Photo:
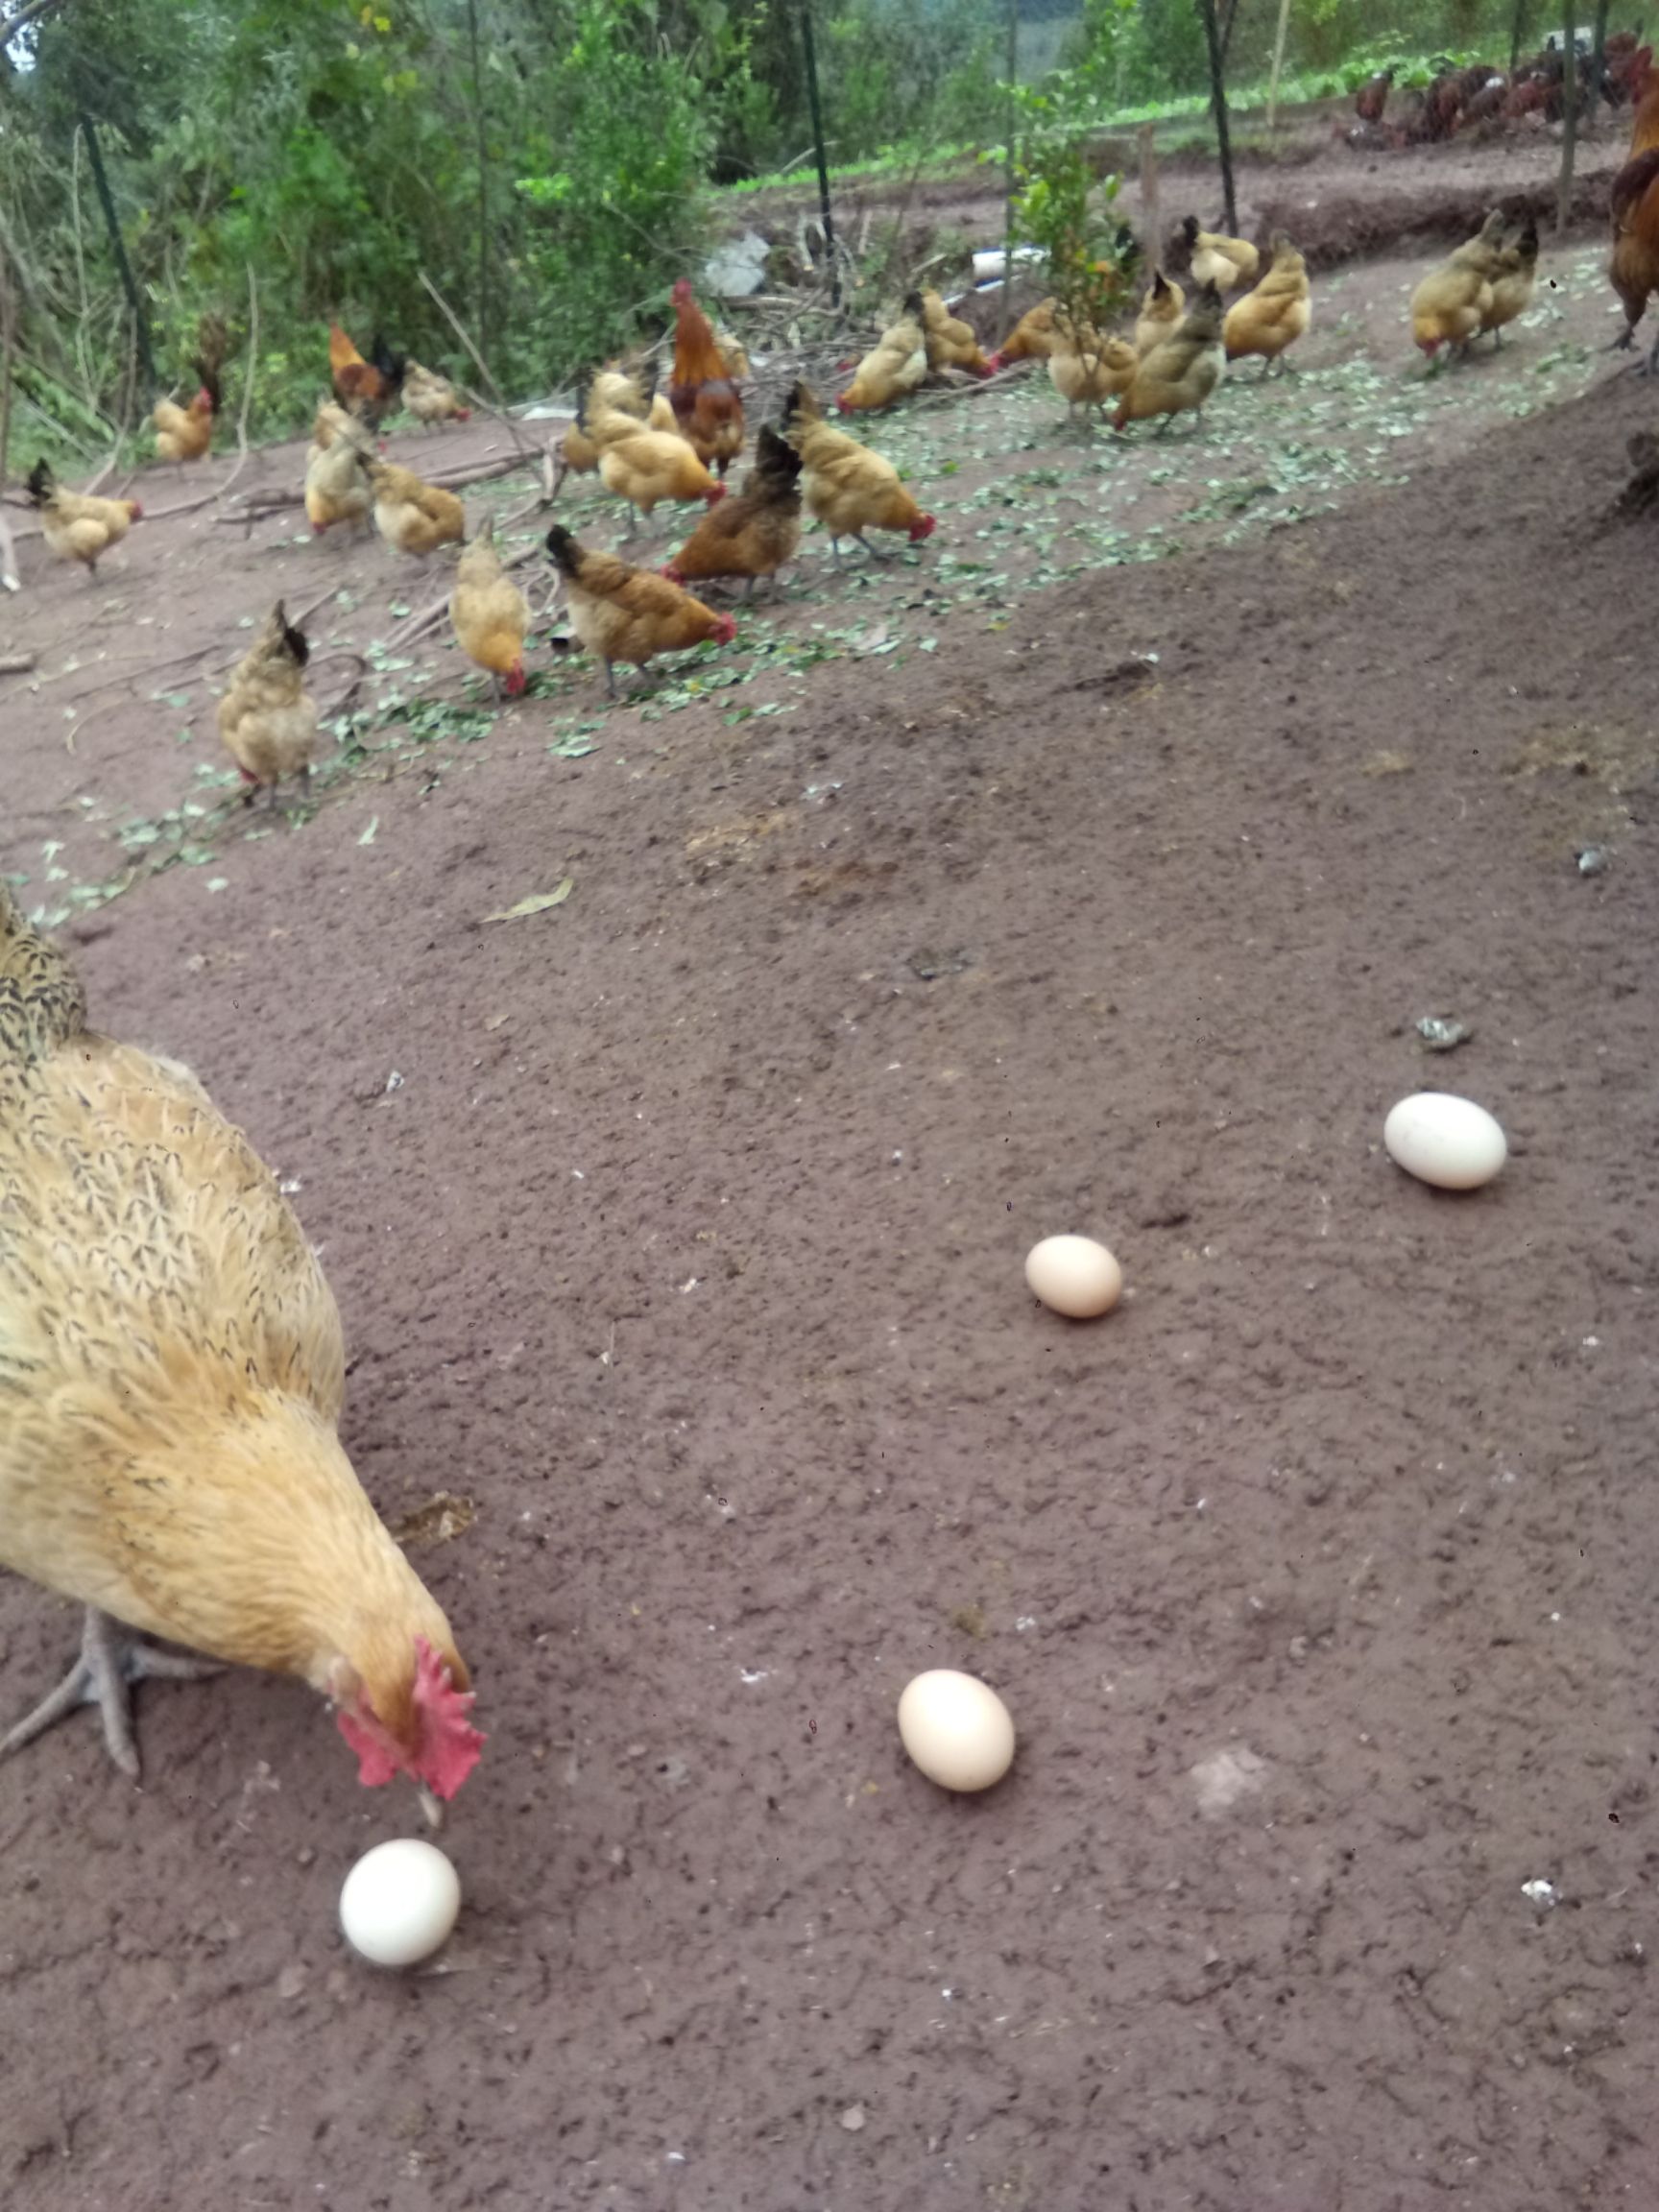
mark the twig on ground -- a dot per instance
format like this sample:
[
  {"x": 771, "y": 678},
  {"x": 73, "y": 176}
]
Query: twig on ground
[
  {"x": 254, "y": 506},
  {"x": 427, "y": 617},
  {"x": 15, "y": 663},
  {"x": 497, "y": 407}
]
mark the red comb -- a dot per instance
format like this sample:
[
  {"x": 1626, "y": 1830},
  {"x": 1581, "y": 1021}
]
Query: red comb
[{"x": 450, "y": 1746}]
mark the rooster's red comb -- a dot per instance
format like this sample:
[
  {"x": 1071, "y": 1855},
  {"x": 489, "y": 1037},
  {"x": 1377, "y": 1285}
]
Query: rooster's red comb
[{"x": 450, "y": 1746}]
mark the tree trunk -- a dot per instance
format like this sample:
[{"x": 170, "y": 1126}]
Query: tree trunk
[
  {"x": 1278, "y": 63},
  {"x": 483, "y": 310},
  {"x": 123, "y": 267},
  {"x": 1218, "y": 102},
  {"x": 8, "y": 344},
  {"x": 1517, "y": 32},
  {"x": 1569, "y": 116},
  {"x": 1011, "y": 176},
  {"x": 817, "y": 111},
  {"x": 1598, "y": 56}
]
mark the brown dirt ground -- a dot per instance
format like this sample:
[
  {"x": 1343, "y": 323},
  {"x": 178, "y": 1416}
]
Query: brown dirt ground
[{"x": 689, "y": 1248}]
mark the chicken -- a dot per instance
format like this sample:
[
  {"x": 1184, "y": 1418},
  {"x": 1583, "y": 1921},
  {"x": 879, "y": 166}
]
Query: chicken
[
  {"x": 337, "y": 488},
  {"x": 411, "y": 515},
  {"x": 949, "y": 341},
  {"x": 579, "y": 448},
  {"x": 756, "y": 533},
  {"x": 432, "y": 399},
  {"x": 732, "y": 352},
  {"x": 1161, "y": 312},
  {"x": 1641, "y": 495},
  {"x": 1224, "y": 262},
  {"x": 170, "y": 1377},
  {"x": 1634, "y": 273},
  {"x": 702, "y": 394},
  {"x": 642, "y": 465},
  {"x": 185, "y": 433},
  {"x": 1512, "y": 287},
  {"x": 267, "y": 718},
  {"x": 374, "y": 384},
  {"x": 489, "y": 613},
  {"x": 893, "y": 366},
  {"x": 1270, "y": 320},
  {"x": 332, "y": 420},
  {"x": 1088, "y": 369},
  {"x": 625, "y": 614},
  {"x": 1485, "y": 252},
  {"x": 846, "y": 487},
  {"x": 1179, "y": 373},
  {"x": 1031, "y": 339},
  {"x": 77, "y": 526},
  {"x": 1450, "y": 304},
  {"x": 1372, "y": 96},
  {"x": 1449, "y": 308}
]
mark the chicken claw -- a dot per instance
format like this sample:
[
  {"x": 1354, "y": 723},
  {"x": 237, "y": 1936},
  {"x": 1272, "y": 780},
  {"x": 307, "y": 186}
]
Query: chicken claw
[{"x": 112, "y": 1660}]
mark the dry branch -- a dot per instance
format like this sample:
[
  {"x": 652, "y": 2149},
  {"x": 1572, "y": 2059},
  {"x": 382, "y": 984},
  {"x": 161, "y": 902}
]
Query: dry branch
[{"x": 254, "y": 506}]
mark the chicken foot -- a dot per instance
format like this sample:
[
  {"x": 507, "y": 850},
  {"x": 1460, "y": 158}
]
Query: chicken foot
[
  {"x": 1624, "y": 343},
  {"x": 112, "y": 1660}
]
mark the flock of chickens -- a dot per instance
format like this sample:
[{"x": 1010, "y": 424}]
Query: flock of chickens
[
  {"x": 1479, "y": 97},
  {"x": 207, "y": 1499}
]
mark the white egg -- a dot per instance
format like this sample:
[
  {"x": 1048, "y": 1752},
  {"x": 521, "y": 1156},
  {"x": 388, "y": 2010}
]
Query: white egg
[
  {"x": 1074, "y": 1276},
  {"x": 1449, "y": 1141},
  {"x": 399, "y": 1901},
  {"x": 956, "y": 1729}
]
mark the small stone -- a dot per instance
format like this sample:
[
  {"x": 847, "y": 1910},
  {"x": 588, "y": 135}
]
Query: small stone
[
  {"x": 1443, "y": 1032},
  {"x": 291, "y": 1980},
  {"x": 1593, "y": 860},
  {"x": 852, "y": 2119}
]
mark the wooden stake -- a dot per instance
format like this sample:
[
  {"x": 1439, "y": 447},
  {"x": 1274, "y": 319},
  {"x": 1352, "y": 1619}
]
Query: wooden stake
[
  {"x": 1218, "y": 102},
  {"x": 1569, "y": 117},
  {"x": 1278, "y": 63}
]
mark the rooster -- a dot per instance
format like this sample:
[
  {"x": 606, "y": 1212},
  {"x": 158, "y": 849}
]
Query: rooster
[
  {"x": 172, "y": 1370},
  {"x": 1635, "y": 205},
  {"x": 185, "y": 433},
  {"x": 371, "y": 388},
  {"x": 1372, "y": 96},
  {"x": 703, "y": 394}
]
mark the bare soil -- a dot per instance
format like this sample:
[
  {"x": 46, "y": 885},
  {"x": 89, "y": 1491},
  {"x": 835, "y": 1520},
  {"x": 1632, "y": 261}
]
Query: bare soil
[{"x": 1031, "y": 883}]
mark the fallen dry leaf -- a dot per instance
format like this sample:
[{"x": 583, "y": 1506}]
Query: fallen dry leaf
[
  {"x": 538, "y": 903},
  {"x": 440, "y": 1520}
]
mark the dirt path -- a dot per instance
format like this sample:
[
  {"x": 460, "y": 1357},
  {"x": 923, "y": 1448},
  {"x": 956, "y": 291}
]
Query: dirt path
[{"x": 680, "y": 1228}]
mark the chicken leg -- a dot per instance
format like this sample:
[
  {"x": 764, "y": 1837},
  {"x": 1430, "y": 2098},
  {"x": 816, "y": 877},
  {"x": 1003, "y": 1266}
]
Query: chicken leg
[{"x": 112, "y": 1660}]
